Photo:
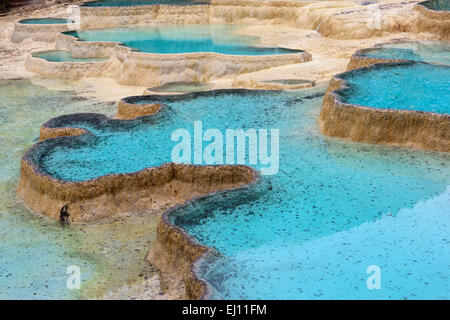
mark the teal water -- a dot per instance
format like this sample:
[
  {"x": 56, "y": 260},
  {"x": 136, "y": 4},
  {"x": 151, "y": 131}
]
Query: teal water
[
  {"x": 427, "y": 51},
  {"x": 35, "y": 251},
  {"x": 309, "y": 231},
  {"x": 130, "y": 3},
  {"x": 63, "y": 56},
  {"x": 44, "y": 21},
  {"x": 412, "y": 86},
  {"x": 439, "y": 5},
  {"x": 182, "y": 39}
]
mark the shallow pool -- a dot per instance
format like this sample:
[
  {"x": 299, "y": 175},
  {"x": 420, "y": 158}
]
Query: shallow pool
[
  {"x": 428, "y": 51},
  {"x": 411, "y": 86},
  {"x": 311, "y": 230},
  {"x": 64, "y": 56},
  {"x": 44, "y": 21},
  {"x": 35, "y": 251},
  {"x": 131, "y": 3},
  {"x": 183, "y": 39}
]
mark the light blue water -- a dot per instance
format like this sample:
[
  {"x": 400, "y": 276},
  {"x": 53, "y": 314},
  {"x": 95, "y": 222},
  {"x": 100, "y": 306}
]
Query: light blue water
[
  {"x": 64, "y": 56},
  {"x": 130, "y": 3},
  {"x": 440, "y": 5},
  {"x": 413, "y": 86},
  {"x": 309, "y": 231},
  {"x": 44, "y": 21},
  {"x": 428, "y": 51},
  {"x": 182, "y": 39}
]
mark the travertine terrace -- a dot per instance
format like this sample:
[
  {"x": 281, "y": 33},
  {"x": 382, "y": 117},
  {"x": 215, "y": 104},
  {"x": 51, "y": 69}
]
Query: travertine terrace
[
  {"x": 416, "y": 129},
  {"x": 326, "y": 38}
]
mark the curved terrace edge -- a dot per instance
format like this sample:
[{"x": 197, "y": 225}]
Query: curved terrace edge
[
  {"x": 415, "y": 129},
  {"x": 159, "y": 187}
]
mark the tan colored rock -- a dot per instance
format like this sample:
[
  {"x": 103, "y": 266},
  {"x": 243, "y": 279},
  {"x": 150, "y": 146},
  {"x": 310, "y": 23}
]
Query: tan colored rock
[
  {"x": 65, "y": 70},
  {"x": 433, "y": 22}
]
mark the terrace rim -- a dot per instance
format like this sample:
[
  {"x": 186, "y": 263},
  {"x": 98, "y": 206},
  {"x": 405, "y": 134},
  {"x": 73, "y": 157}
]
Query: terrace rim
[
  {"x": 46, "y": 194},
  {"x": 407, "y": 128},
  {"x": 436, "y": 22},
  {"x": 130, "y": 67},
  {"x": 174, "y": 251}
]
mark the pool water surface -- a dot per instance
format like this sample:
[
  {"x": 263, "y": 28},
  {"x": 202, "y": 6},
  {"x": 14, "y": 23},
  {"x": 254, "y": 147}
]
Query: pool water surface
[
  {"x": 35, "y": 251},
  {"x": 183, "y": 39},
  {"x": 410, "y": 86},
  {"x": 64, "y": 56},
  {"x": 313, "y": 229}
]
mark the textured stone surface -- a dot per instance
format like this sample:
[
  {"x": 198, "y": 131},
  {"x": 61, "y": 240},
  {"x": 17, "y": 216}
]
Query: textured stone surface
[
  {"x": 434, "y": 22},
  {"x": 65, "y": 70},
  {"x": 267, "y": 85},
  {"x": 177, "y": 254},
  {"x": 132, "y": 111},
  {"x": 37, "y": 32}
]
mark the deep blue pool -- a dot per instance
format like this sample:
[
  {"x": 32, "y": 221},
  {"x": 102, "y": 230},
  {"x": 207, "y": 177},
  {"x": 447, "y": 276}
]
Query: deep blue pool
[
  {"x": 311, "y": 230},
  {"x": 182, "y": 39}
]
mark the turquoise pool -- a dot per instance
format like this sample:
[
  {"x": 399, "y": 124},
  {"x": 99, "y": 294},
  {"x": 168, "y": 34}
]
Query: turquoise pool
[
  {"x": 439, "y": 5},
  {"x": 131, "y": 3},
  {"x": 64, "y": 56},
  {"x": 427, "y": 51},
  {"x": 411, "y": 86},
  {"x": 309, "y": 231},
  {"x": 44, "y": 21},
  {"x": 183, "y": 39}
]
